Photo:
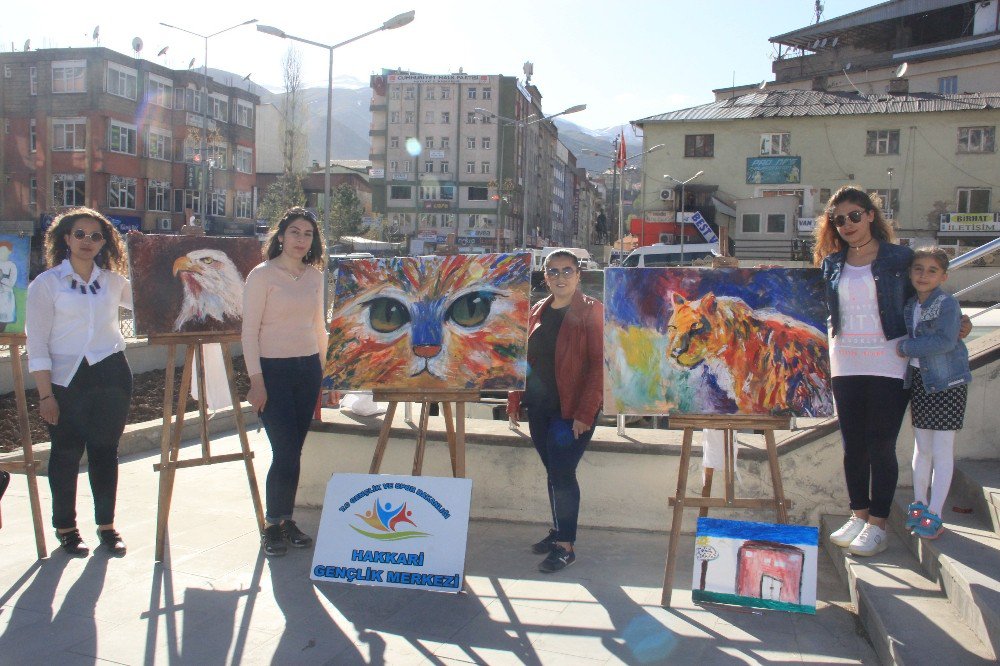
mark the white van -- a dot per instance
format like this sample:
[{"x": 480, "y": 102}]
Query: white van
[{"x": 660, "y": 254}]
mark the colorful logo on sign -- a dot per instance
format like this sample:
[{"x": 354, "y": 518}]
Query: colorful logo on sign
[{"x": 389, "y": 522}]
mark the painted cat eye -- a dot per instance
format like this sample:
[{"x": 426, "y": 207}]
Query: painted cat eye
[
  {"x": 470, "y": 310},
  {"x": 387, "y": 314}
]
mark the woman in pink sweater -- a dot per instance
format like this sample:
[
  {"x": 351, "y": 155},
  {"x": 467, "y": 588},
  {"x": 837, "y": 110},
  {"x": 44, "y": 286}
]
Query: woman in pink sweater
[{"x": 284, "y": 340}]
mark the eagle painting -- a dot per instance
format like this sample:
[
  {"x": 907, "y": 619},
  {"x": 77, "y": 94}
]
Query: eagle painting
[{"x": 190, "y": 284}]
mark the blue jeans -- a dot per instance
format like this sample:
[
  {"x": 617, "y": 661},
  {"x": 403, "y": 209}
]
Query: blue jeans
[
  {"x": 292, "y": 390},
  {"x": 560, "y": 452}
]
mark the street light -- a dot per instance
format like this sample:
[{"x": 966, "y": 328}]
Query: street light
[
  {"x": 683, "y": 218},
  {"x": 204, "y": 113},
  {"x": 642, "y": 175},
  {"x": 888, "y": 195},
  {"x": 395, "y": 22},
  {"x": 504, "y": 124}
]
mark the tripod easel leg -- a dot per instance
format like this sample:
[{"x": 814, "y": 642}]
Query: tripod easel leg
[
  {"x": 460, "y": 439},
  {"x": 241, "y": 428},
  {"x": 779, "y": 491},
  {"x": 30, "y": 466},
  {"x": 165, "y": 452},
  {"x": 383, "y": 438},
  {"x": 706, "y": 490},
  {"x": 449, "y": 426},
  {"x": 418, "y": 454},
  {"x": 675, "y": 527},
  {"x": 206, "y": 447}
]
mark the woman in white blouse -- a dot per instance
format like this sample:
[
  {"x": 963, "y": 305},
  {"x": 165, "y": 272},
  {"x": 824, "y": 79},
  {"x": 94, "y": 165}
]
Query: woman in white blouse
[{"x": 76, "y": 354}]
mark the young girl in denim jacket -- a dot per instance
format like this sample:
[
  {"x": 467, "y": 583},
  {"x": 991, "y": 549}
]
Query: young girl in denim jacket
[{"x": 938, "y": 373}]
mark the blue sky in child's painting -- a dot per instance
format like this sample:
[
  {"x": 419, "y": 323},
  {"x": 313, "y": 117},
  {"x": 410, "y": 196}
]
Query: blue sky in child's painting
[{"x": 637, "y": 296}]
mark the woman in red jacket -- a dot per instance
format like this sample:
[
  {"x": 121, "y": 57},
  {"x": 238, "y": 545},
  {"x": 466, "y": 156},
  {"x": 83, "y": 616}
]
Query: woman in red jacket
[{"x": 563, "y": 395}]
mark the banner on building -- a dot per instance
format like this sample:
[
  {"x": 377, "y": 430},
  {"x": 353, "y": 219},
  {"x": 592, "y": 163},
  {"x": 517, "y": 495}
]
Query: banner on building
[
  {"x": 701, "y": 224},
  {"x": 773, "y": 170},
  {"x": 975, "y": 223}
]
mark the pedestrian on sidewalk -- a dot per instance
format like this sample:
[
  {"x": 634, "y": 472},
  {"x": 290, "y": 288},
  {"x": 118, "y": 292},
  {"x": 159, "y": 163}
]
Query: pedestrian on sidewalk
[
  {"x": 565, "y": 387},
  {"x": 938, "y": 375},
  {"x": 76, "y": 353},
  {"x": 284, "y": 342}
]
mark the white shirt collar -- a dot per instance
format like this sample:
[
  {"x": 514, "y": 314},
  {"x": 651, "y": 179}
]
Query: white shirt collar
[{"x": 65, "y": 270}]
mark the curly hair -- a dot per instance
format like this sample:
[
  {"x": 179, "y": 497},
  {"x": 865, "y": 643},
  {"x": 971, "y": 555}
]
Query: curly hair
[
  {"x": 111, "y": 256},
  {"x": 829, "y": 241},
  {"x": 272, "y": 247}
]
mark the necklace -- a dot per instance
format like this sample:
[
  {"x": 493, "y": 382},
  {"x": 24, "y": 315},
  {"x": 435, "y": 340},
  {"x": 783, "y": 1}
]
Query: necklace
[
  {"x": 290, "y": 274},
  {"x": 858, "y": 247}
]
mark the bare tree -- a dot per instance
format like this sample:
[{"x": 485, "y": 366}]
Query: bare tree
[{"x": 287, "y": 190}]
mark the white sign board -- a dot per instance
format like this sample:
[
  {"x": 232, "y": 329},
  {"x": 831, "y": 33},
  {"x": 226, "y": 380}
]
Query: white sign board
[{"x": 394, "y": 531}]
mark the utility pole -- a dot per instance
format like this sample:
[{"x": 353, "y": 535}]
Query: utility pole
[{"x": 614, "y": 188}]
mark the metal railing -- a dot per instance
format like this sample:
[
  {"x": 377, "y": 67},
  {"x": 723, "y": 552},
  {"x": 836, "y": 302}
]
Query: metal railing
[{"x": 969, "y": 258}]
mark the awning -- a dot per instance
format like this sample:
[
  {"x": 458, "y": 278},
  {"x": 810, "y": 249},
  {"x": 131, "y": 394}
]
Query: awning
[{"x": 723, "y": 207}]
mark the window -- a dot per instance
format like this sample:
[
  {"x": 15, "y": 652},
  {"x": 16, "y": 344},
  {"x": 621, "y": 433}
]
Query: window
[
  {"x": 470, "y": 142},
  {"x": 429, "y": 142},
  {"x": 32, "y": 191},
  {"x": 882, "y": 142},
  {"x": 33, "y": 79},
  {"x": 69, "y": 189},
  {"x": 394, "y": 117},
  {"x": 394, "y": 92},
  {"x": 487, "y": 93},
  {"x": 445, "y": 117},
  {"x": 775, "y": 223},
  {"x": 889, "y": 199},
  {"x": 485, "y": 142},
  {"x": 479, "y": 194},
  {"x": 445, "y": 93},
  {"x": 69, "y": 134},
  {"x": 428, "y": 167},
  {"x": 158, "y": 144},
  {"x": 398, "y": 192},
  {"x": 187, "y": 98},
  {"x": 158, "y": 196},
  {"x": 393, "y": 165},
  {"x": 408, "y": 92},
  {"x": 487, "y": 119},
  {"x": 484, "y": 167},
  {"x": 244, "y": 159},
  {"x": 220, "y": 108},
  {"x": 394, "y": 142},
  {"x": 7, "y": 71},
  {"x": 122, "y": 138},
  {"x": 699, "y": 145},
  {"x": 242, "y": 205},
  {"x": 445, "y": 167},
  {"x": 470, "y": 167},
  {"x": 188, "y": 200},
  {"x": 122, "y": 81},
  {"x": 244, "y": 113},
  {"x": 973, "y": 200},
  {"x": 217, "y": 203},
  {"x": 32, "y": 136},
  {"x": 429, "y": 92},
  {"x": 948, "y": 85},
  {"x": 751, "y": 223},
  {"x": 218, "y": 156},
  {"x": 976, "y": 139},
  {"x": 776, "y": 144},
  {"x": 470, "y": 118},
  {"x": 445, "y": 143},
  {"x": 824, "y": 195},
  {"x": 472, "y": 92},
  {"x": 159, "y": 91},
  {"x": 69, "y": 76},
  {"x": 428, "y": 117},
  {"x": 406, "y": 166},
  {"x": 121, "y": 192},
  {"x": 436, "y": 193},
  {"x": 408, "y": 117}
]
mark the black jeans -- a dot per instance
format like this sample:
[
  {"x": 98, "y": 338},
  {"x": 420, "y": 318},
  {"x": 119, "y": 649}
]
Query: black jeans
[
  {"x": 292, "y": 390},
  {"x": 92, "y": 414},
  {"x": 870, "y": 410},
  {"x": 552, "y": 436}
]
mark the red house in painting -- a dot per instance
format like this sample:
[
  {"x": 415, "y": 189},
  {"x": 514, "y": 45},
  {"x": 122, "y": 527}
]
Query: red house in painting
[{"x": 769, "y": 570}]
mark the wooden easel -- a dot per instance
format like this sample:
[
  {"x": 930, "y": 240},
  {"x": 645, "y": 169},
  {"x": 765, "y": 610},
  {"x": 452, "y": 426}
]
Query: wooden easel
[
  {"x": 170, "y": 439},
  {"x": 455, "y": 427},
  {"x": 29, "y": 466},
  {"x": 729, "y": 424}
]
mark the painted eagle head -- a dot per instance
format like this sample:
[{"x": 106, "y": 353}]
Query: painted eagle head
[{"x": 213, "y": 288}]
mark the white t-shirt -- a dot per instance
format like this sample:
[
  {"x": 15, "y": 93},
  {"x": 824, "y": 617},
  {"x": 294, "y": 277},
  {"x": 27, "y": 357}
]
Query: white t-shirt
[{"x": 861, "y": 347}]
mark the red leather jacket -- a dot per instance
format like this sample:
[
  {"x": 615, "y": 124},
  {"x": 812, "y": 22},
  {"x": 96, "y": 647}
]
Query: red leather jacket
[{"x": 579, "y": 359}]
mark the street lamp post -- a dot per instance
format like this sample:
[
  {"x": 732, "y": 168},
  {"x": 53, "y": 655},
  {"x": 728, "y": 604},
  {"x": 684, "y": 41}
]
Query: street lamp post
[
  {"x": 203, "y": 190},
  {"x": 683, "y": 218},
  {"x": 621, "y": 222},
  {"x": 888, "y": 195}
]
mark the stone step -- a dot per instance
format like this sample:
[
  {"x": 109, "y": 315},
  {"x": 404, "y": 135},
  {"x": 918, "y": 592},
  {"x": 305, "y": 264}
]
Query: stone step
[
  {"x": 908, "y": 618},
  {"x": 964, "y": 561},
  {"x": 976, "y": 484}
]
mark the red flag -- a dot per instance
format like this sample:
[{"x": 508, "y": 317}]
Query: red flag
[{"x": 620, "y": 159}]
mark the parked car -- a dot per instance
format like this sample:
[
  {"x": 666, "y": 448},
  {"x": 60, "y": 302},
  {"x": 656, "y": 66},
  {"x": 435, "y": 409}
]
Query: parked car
[
  {"x": 660, "y": 254},
  {"x": 334, "y": 258}
]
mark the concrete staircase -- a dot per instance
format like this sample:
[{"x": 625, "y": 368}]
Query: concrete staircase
[{"x": 933, "y": 602}]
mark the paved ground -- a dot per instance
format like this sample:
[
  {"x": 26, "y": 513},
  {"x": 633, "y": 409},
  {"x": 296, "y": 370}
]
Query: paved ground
[{"x": 217, "y": 600}]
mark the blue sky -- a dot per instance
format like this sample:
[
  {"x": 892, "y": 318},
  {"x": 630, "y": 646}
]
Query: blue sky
[{"x": 624, "y": 60}]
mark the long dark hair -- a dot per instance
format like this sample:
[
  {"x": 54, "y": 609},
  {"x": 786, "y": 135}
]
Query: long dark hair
[
  {"x": 111, "y": 256},
  {"x": 828, "y": 240},
  {"x": 272, "y": 248}
]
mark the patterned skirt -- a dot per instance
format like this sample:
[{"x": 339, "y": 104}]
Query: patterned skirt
[{"x": 944, "y": 410}]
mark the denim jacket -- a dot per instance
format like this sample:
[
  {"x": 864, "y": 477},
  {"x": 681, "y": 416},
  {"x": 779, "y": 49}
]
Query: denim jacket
[
  {"x": 892, "y": 286},
  {"x": 944, "y": 360}
]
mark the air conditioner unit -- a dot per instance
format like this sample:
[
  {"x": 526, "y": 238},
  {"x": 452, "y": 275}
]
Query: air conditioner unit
[
  {"x": 666, "y": 195},
  {"x": 164, "y": 224}
]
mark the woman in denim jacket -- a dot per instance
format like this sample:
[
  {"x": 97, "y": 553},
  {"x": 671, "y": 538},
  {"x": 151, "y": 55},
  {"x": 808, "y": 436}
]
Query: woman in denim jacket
[{"x": 938, "y": 374}]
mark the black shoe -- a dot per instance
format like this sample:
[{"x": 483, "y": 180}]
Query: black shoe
[
  {"x": 272, "y": 541},
  {"x": 112, "y": 541},
  {"x": 4, "y": 481},
  {"x": 296, "y": 537},
  {"x": 546, "y": 544},
  {"x": 73, "y": 543},
  {"x": 558, "y": 559}
]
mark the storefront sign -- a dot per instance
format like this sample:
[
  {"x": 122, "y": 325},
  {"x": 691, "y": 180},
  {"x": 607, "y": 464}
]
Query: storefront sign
[
  {"x": 394, "y": 531},
  {"x": 436, "y": 154},
  {"x": 986, "y": 223},
  {"x": 438, "y": 78},
  {"x": 438, "y": 205},
  {"x": 806, "y": 224},
  {"x": 376, "y": 173},
  {"x": 773, "y": 170},
  {"x": 400, "y": 176}
]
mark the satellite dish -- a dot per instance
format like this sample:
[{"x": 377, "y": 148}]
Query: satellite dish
[
  {"x": 137, "y": 44},
  {"x": 822, "y": 43},
  {"x": 836, "y": 40},
  {"x": 191, "y": 64},
  {"x": 815, "y": 45},
  {"x": 847, "y": 67},
  {"x": 247, "y": 77},
  {"x": 163, "y": 51},
  {"x": 27, "y": 45},
  {"x": 901, "y": 70},
  {"x": 97, "y": 33},
  {"x": 763, "y": 84}
]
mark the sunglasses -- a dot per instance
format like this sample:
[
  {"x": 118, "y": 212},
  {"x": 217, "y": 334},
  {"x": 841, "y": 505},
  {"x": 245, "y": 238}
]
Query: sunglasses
[
  {"x": 566, "y": 271},
  {"x": 840, "y": 220},
  {"x": 96, "y": 236}
]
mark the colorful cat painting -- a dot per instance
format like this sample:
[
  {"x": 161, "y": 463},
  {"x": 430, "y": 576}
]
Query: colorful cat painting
[
  {"x": 456, "y": 322},
  {"x": 721, "y": 341}
]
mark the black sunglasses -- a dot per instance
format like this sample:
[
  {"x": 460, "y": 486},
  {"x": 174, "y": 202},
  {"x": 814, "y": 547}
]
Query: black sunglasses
[
  {"x": 565, "y": 271},
  {"x": 840, "y": 220},
  {"x": 80, "y": 234}
]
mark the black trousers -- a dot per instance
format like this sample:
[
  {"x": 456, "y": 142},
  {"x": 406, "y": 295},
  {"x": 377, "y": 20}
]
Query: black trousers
[
  {"x": 870, "y": 410},
  {"x": 92, "y": 414}
]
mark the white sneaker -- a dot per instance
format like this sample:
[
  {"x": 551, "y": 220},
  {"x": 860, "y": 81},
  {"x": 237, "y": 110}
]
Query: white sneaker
[
  {"x": 846, "y": 534},
  {"x": 871, "y": 541}
]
